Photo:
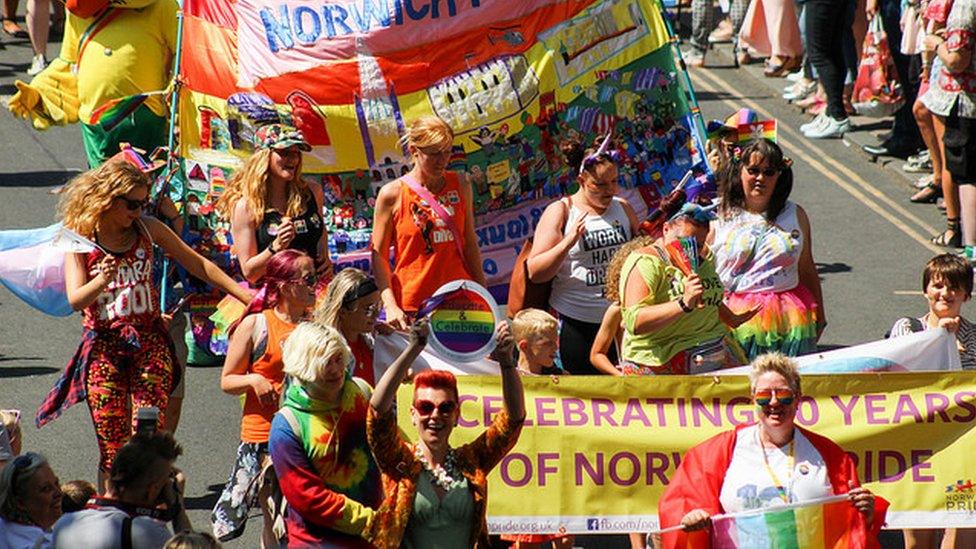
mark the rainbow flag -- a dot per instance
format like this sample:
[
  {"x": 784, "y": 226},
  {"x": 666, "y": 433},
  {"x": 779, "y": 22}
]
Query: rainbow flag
[
  {"x": 111, "y": 113},
  {"x": 762, "y": 129},
  {"x": 830, "y": 522}
]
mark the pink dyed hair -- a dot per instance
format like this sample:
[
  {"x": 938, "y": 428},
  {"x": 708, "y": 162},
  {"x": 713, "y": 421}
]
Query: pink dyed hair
[{"x": 282, "y": 268}]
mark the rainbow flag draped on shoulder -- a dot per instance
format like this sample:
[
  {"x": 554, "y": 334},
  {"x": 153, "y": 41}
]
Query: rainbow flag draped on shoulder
[
  {"x": 511, "y": 78},
  {"x": 825, "y": 523}
]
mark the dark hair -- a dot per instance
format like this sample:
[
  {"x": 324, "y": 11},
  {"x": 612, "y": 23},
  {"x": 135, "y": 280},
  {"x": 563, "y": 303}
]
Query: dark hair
[
  {"x": 953, "y": 270},
  {"x": 575, "y": 152},
  {"x": 732, "y": 194},
  {"x": 436, "y": 379},
  {"x": 137, "y": 461}
]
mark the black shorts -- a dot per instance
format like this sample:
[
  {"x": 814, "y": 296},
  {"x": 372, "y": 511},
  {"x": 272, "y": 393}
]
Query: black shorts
[{"x": 960, "y": 147}]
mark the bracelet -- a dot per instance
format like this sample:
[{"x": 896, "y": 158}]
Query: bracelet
[
  {"x": 684, "y": 306},
  {"x": 271, "y": 249}
]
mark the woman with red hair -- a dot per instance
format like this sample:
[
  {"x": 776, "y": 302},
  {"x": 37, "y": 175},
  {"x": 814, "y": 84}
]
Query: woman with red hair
[
  {"x": 441, "y": 493},
  {"x": 254, "y": 368}
]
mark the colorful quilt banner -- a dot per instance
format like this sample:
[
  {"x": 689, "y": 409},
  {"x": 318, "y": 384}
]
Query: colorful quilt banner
[
  {"x": 597, "y": 452},
  {"x": 511, "y": 78}
]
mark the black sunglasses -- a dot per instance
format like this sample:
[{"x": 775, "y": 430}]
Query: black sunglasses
[
  {"x": 426, "y": 407},
  {"x": 309, "y": 280},
  {"x": 768, "y": 172},
  {"x": 134, "y": 205}
]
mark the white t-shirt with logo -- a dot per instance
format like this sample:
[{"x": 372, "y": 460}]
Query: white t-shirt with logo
[{"x": 749, "y": 485}]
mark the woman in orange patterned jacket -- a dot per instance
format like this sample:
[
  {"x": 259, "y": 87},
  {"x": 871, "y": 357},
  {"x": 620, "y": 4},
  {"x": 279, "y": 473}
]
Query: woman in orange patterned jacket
[{"x": 440, "y": 492}]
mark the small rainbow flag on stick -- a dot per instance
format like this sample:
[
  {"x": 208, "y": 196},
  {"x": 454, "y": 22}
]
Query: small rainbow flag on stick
[{"x": 824, "y": 523}]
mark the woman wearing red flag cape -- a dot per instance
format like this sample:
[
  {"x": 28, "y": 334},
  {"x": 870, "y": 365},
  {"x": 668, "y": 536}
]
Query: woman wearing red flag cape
[{"x": 772, "y": 462}]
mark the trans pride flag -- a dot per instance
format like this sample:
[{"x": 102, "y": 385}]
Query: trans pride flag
[
  {"x": 32, "y": 265},
  {"x": 830, "y": 522}
]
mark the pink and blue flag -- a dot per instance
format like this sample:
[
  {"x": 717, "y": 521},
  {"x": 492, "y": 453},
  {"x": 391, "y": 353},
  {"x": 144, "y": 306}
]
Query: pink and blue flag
[{"x": 32, "y": 265}]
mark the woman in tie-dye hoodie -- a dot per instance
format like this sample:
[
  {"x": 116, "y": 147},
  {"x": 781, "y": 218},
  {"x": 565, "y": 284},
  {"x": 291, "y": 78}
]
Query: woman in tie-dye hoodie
[{"x": 318, "y": 444}]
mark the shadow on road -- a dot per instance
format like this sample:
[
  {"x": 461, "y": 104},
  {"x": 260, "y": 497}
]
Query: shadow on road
[
  {"x": 825, "y": 268},
  {"x": 24, "y": 371},
  {"x": 36, "y": 179},
  {"x": 206, "y": 501}
]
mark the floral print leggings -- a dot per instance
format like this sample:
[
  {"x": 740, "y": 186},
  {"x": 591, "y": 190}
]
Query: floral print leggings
[{"x": 122, "y": 379}]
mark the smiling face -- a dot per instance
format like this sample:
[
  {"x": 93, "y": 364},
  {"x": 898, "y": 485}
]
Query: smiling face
[
  {"x": 128, "y": 207},
  {"x": 759, "y": 178},
  {"x": 284, "y": 164},
  {"x": 43, "y": 497},
  {"x": 301, "y": 290},
  {"x": 434, "y": 426},
  {"x": 775, "y": 416},
  {"x": 945, "y": 300}
]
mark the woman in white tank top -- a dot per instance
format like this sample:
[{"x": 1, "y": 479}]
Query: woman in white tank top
[
  {"x": 573, "y": 243},
  {"x": 761, "y": 242}
]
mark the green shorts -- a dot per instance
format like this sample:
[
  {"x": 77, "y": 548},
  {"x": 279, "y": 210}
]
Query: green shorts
[{"x": 143, "y": 129}]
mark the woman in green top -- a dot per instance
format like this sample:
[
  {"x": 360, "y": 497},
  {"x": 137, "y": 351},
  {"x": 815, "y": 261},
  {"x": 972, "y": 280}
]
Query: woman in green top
[{"x": 673, "y": 316}]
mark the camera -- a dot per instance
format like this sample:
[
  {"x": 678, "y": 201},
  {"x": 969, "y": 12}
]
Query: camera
[{"x": 147, "y": 420}]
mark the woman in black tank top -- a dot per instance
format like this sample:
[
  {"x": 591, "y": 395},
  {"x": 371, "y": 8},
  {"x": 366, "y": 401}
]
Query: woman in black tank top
[{"x": 270, "y": 206}]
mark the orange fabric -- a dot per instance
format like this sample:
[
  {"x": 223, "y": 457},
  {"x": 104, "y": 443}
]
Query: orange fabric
[
  {"x": 256, "y": 422},
  {"x": 424, "y": 248}
]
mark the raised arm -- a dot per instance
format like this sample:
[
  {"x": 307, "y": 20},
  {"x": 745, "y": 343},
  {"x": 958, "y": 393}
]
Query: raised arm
[
  {"x": 192, "y": 261},
  {"x": 513, "y": 395},
  {"x": 386, "y": 387},
  {"x": 81, "y": 288},
  {"x": 380, "y": 246},
  {"x": 245, "y": 245},
  {"x": 657, "y": 315},
  {"x": 549, "y": 245}
]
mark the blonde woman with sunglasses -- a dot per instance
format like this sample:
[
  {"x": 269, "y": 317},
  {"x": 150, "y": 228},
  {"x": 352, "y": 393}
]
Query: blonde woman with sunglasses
[
  {"x": 433, "y": 243},
  {"x": 126, "y": 358},
  {"x": 765, "y": 464},
  {"x": 352, "y": 304}
]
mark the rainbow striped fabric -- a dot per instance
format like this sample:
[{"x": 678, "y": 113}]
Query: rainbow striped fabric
[{"x": 819, "y": 524}]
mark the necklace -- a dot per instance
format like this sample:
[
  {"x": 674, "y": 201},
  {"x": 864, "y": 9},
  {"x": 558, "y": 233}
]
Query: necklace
[
  {"x": 772, "y": 474},
  {"x": 447, "y": 476}
]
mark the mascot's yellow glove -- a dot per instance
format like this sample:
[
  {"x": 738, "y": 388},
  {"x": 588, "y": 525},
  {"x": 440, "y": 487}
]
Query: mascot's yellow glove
[{"x": 50, "y": 99}]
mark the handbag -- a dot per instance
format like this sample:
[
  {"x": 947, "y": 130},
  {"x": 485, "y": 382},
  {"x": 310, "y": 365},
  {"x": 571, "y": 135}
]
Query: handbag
[
  {"x": 522, "y": 292},
  {"x": 877, "y": 92}
]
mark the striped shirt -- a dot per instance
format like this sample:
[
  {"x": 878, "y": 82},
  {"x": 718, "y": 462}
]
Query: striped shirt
[{"x": 965, "y": 335}]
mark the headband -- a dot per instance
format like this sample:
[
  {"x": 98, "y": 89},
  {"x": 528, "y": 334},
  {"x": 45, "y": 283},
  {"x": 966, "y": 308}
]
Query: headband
[{"x": 363, "y": 289}]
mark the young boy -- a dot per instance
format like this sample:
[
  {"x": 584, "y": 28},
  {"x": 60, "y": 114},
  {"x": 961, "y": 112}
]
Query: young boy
[{"x": 536, "y": 334}]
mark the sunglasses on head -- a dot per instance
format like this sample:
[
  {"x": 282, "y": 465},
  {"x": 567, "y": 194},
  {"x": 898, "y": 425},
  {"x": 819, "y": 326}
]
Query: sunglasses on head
[
  {"x": 134, "y": 205},
  {"x": 768, "y": 172},
  {"x": 765, "y": 396},
  {"x": 426, "y": 407}
]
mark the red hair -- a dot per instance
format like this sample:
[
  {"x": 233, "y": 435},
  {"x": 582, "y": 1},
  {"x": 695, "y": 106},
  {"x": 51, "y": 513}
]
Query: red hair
[
  {"x": 282, "y": 268},
  {"x": 436, "y": 379}
]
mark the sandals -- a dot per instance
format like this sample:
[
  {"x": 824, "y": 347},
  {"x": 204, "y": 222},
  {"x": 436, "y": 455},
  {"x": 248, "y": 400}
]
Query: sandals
[
  {"x": 927, "y": 194},
  {"x": 11, "y": 27},
  {"x": 786, "y": 66},
  {"x": 947, "y": 241}
]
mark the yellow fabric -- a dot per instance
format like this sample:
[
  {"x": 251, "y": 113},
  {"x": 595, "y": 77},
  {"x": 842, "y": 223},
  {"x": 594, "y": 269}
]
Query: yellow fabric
[{"x": 132, "y": 54}]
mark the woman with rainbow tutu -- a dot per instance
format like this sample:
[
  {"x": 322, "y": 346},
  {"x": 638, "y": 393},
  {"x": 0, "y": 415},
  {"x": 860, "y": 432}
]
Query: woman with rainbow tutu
[{"x": 763, "y": 254}]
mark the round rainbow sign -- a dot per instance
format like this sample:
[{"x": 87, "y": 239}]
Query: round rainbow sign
[{"x": 462, "y": 321}]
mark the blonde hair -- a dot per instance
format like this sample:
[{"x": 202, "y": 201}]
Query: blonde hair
[
  {"x": 88, "y": 196},
  {"x": 308, "y": 349},
  {"x": 327, "y": 310},
  {"x": 775, "y": 362},
  {"x": 193, "y": 540},
  {"x": 616, "y": 265},
  {"x": 251, "y": 183},
  {"x": 532, "y": 323},
  {"x": 428, "y": 131}
]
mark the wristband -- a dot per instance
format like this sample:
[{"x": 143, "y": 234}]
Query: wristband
[
  {"x": 271, "y": 248},
  {"x": 684, "y": 306}
]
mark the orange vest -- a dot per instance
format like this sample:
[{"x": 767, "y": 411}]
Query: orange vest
[
  {"x": 425, "y": 255},
  {"x": 256, "y": 422}
]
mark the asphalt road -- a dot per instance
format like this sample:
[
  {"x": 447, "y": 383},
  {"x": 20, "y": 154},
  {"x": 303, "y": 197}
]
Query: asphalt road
[{"x": 869, "y": 244}]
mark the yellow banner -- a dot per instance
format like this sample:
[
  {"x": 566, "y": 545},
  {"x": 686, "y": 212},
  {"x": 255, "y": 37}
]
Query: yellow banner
[{"x": 596, "y": 453}]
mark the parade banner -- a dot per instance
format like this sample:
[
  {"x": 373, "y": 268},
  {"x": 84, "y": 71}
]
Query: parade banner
[
  {"x": 511, "y": 78},
  {"x": 597, "y": 452}
]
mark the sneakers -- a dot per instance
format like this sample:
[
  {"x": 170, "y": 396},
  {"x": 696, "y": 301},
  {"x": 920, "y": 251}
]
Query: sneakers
[
  {"x": 795, "y": 76},
  {"x": 918, "y": 163},
  {"x": 693, "y": 58},
  {"x": 37, "y": 65},
  {"x": 825, "y": 126},
  {"x": 800, "y": 90}
]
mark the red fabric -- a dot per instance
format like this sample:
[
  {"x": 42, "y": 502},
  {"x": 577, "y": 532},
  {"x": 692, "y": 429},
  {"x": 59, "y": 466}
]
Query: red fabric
[
  {"x": 362, "y": 354},
  {"x": 698, "y": 481}
]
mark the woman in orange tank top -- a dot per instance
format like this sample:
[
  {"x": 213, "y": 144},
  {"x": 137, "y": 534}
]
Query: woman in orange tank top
[
  {"x": 428, "y": 250},
  {"x": 253, "y": 368}
]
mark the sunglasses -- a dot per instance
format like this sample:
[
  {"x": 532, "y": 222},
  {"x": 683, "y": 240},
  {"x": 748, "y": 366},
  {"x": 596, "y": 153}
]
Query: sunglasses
[
  {"x": 309, "y": 280},
  {"x": 435, "y": 152},
  {"x": 768, "y": 172},
  {"x": 426, "y": 407},
  {"x": 134, "y": 205},
  {"x": 373, "y": 309},
  {"x": 765, "y": 396}
]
